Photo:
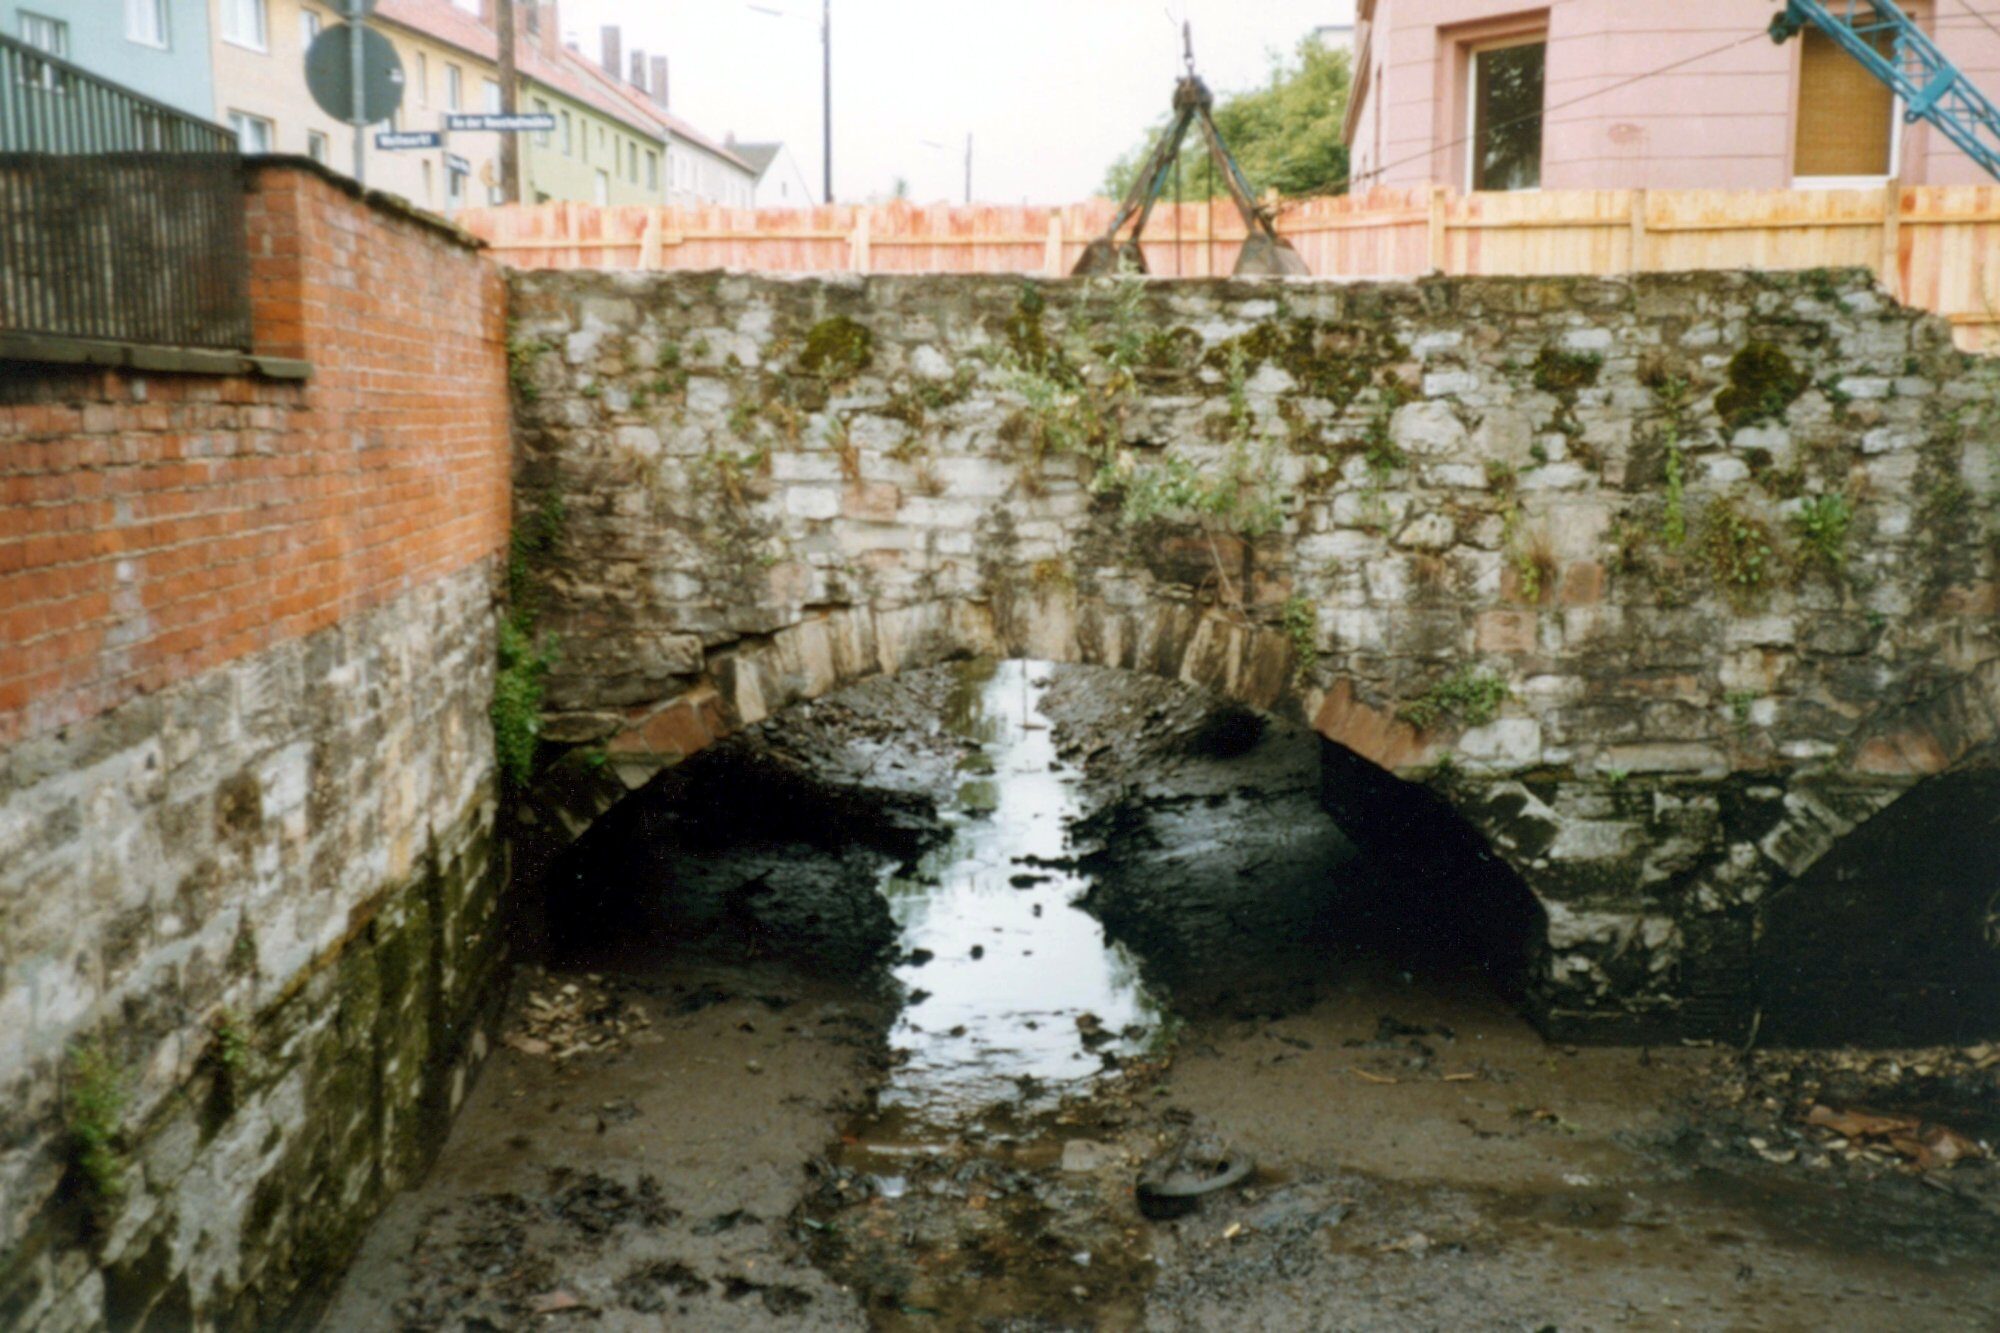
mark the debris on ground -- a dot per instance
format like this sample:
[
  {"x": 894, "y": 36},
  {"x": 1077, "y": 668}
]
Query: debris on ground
[{"x": 562, "y": 1020}]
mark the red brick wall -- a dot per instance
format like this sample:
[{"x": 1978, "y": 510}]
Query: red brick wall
[{"x": 153, "y": 526}]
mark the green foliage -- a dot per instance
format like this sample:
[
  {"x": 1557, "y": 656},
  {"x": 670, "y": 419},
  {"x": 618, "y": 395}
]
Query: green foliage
[
  {"x": 92, "y": 1108},
  {"x": 522, "y": 353},
  {"x": 1763, "y": 382},
  {"x": 1563, "y": 373},
  {"x": 229, "y": 1052},
  {"x": 1674, "y": 528},
  {"x": 1739, "y": 702},
  {"x": 1239, "y": 498},
  {"x": 1672, "y": 393},
  {"x": 1468, "y": 694},
  {"x": 1285, "y": 135},
  {"x": 1741, "y": 552},
  {"x": 837, "y": 349},
  {"x": 1820, "y": 527},
  {"x": 524, "y": 659},
  {"x": 1301, "y": 622}
]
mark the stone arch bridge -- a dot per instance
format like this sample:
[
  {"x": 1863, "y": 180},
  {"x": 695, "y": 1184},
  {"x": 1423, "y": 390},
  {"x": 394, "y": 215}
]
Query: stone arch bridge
[{"x": 1681, "y": 590}]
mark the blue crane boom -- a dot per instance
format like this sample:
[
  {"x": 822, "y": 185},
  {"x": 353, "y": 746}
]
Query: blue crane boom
[{"x": 1932, "y": 88}]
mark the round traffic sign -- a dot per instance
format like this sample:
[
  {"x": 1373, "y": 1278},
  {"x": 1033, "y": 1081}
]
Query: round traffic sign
[{"x": 330, "y": 75}]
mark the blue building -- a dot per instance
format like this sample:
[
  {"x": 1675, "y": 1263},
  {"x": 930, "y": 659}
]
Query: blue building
[{"x": 157, "y": 47}]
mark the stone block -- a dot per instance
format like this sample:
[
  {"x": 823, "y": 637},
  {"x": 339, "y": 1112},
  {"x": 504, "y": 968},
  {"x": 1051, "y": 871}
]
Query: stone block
[
  {"x": 1511, "y": 633},
  {"x": 874, "y": 501},
  {"x": 1428, "y": 429}
]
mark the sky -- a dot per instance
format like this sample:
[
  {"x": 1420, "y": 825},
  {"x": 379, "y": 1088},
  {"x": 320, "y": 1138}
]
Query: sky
[{"x": 1050, "y": 90}]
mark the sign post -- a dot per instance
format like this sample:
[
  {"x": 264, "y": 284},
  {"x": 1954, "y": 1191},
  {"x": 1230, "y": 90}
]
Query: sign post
[
  {"x": 355, "y": 76},
  {"x": 355, "y": 13}
]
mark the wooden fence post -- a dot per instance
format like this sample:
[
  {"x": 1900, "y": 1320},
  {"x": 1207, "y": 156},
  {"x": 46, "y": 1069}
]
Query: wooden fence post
[
  {"x": 649, "y": 241},
  {"x": 1052, "y": 249},
  {"x": 1437, "y": 248},
  {"x": 1891, "y": 265},
  {"x": 1638, "y": 231},
  {"x": 858, "y": 242}
]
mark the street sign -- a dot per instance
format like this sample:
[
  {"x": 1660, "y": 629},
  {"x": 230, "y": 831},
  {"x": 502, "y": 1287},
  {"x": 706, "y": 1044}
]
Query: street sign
[
  {"x": 330, "y": 79},
  {"x": 525, "y": 122},
  {"x": 409, "y": 139},
  {"x": 453, "y": 162}
]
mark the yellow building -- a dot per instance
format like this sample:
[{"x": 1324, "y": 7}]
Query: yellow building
[{"x": 607, "y": 146}]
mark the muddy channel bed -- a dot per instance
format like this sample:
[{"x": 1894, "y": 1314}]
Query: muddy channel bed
[{"x": 689, "y": 1137}]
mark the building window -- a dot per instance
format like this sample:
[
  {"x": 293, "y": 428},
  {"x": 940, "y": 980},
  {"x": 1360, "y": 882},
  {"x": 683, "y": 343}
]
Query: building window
[
  {"x": 309, "y": 26},
  {"x": 454, "y": 188},
  {"x": 454, "y": 87},
  {"x": 541, "y": 136},
  {"x": 1505, "y": 102},
  {"x": 601, "y": 189},
  {"x": 568, "y": 135},
  {"x": 423, "y": 79},
  {"x": 652, "y": 170},
  {"x": 316, "y": 146},
  {"x": 253, "y": 133},
  {"x": 1846, "y": 123},
  {"x": 50, "y": 35},
  {"x": 631, "y": 162},
  {"x": 427, "y": 181},
  {"x": 243, "y": 24},
  {"x": 490, "y": 89},
  {"x": 146, "y": 22}
]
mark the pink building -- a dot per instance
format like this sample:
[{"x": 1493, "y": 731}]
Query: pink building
[{"x": 1685, "y": 94}]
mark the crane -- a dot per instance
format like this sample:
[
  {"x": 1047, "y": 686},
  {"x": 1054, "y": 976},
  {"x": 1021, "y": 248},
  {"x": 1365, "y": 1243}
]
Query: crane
[{"x": 1932, "y": 88}]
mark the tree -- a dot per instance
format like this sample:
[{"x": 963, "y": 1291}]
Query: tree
[{"x": 1285, "y": 135}]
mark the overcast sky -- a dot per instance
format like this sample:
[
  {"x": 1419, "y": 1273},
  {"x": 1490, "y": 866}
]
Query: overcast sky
[{"x": 1051, "y": 90}]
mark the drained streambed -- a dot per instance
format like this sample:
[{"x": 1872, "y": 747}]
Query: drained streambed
[{"x": 875, "y": 1017}]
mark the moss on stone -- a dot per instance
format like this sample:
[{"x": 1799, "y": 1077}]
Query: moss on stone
[
  {"x": 837, "y": 349},
  {"x": 1565, "y": 373},
  {"x": 1763, "y": 382},
  {"x": 1331, "y": 361}
]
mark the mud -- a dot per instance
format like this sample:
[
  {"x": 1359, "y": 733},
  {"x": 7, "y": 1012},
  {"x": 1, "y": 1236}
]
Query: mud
[{"x": 708, "y": 1131}]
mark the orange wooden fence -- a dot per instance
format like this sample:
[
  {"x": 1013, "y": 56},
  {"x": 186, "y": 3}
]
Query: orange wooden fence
[{"x": 1933, "y": 246}]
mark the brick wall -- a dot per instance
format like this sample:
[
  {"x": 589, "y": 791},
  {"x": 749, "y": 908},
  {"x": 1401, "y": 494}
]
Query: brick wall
[{"x": 154, "y": 526}]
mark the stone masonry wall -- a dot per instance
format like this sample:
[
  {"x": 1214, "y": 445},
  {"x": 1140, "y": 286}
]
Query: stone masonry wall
[
  {"x": 1667, "y": 583},
  {"x": 248, "y": 881}
]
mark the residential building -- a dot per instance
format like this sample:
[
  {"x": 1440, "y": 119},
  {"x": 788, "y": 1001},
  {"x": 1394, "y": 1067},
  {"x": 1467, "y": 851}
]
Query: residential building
[
  {"x": 1497, "y": 95},
  {"x": 697, "y": 169},
  {"x": 780, "y": 180},
  {"x": 606, "y": 146},
  {"x": 159, "y": 48}
]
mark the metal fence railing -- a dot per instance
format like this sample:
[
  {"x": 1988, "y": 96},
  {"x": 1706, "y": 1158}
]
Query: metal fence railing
[{"x": 121, "y": 218}]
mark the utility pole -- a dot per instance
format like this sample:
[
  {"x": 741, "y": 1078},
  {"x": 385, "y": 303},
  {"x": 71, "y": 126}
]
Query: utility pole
[
  {"x": 825, "y": 93},
  {"x": 510, "y": 144},
  {"x": 357, "y": 10}
]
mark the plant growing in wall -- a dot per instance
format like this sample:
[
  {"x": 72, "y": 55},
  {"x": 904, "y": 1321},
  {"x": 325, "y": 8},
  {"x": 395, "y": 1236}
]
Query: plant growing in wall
[
  {"x": 1470, "y": 695},
  {"x": 93, "y": 1106},
  {"x": 524, "y": 657}
]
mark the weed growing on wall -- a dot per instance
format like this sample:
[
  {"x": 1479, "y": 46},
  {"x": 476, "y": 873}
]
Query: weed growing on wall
[
  {"x": 1301, "y": 625},
  {"x": 1741, "y": 552},
  {"x": 1468, "y": 694},
  {"x": 229, "y": 1053},
  {"x": 92, "y": 1108},
  {"x": 1820, "y": 530},
  {"x": 522, "y": 354},
  {"x": 524, "y": 656}
]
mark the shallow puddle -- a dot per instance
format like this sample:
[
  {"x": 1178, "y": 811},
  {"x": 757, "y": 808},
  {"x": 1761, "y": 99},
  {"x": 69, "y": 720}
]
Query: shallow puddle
[{"x": 1015, "y": 994}]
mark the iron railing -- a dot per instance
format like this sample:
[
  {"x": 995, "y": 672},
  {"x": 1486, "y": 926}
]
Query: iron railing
[{"x": 121, "y": 218}]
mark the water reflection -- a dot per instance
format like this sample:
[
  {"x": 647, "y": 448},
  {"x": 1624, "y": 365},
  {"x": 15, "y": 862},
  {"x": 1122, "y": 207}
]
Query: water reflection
[{"x": 1016, "y": 995}]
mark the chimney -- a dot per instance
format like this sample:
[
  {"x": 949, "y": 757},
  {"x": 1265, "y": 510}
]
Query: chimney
[
  {"x": 638, "y": 67},
  {"x": 609, "y": 33},
  {"x": 550, "y": 36},
  {"x": 488, "y": 13},
  {"x": 657, "y": 86}
]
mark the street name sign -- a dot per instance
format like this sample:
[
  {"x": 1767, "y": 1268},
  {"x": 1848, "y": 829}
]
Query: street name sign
[
  {"x": 525, "y": 122},
  {"x": 409, "y": 139}
]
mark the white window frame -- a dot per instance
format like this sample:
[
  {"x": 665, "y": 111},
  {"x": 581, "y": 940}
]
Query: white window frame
[
  {"x": 1896, "y": 131},
  {"x": 601, "y": 186},
  {"x": 454, "y": 88},
  {"x": 310, "y": 27},
  {"x": 1539, "y": 38},
  {"x": 242, "y": 121},
  {"x": 653, "y": 169},
  {"x": 423, "y": 79},
  {"x": 454, "y": 189},
  {"x": 319, "y": 148},
  {"x": 568, "y": 135},
  {"x": 490, "y": 90},
  {"x": 136, "y": 13},
  {"x": 258, "y": 13},
  {"x": 542, "y": 137}
]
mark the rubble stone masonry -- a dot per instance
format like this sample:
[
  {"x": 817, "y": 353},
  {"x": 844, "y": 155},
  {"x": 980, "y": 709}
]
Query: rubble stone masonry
[
  {"x": 247, "y": 875},
  {"x": 1666, "y": 584}
]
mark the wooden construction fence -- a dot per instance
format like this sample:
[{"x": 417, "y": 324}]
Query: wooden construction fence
[{"x": 1937, "y": 247}]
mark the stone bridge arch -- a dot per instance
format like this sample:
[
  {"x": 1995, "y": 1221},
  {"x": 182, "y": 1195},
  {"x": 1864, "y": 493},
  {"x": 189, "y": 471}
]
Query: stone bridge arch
[{"x": 1666, "y": 586}]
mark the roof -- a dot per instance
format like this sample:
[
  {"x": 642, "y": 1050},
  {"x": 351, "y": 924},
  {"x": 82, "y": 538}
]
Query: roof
[
  {"x": 638, "y": 103},
  {"x": 445, "y": 22},
  {"x": 758, "y": 156}
]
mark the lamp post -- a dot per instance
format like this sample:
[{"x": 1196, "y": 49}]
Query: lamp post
[
  {"x": 825, "y": 87},
  {"x": 933, "y": 143}
]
